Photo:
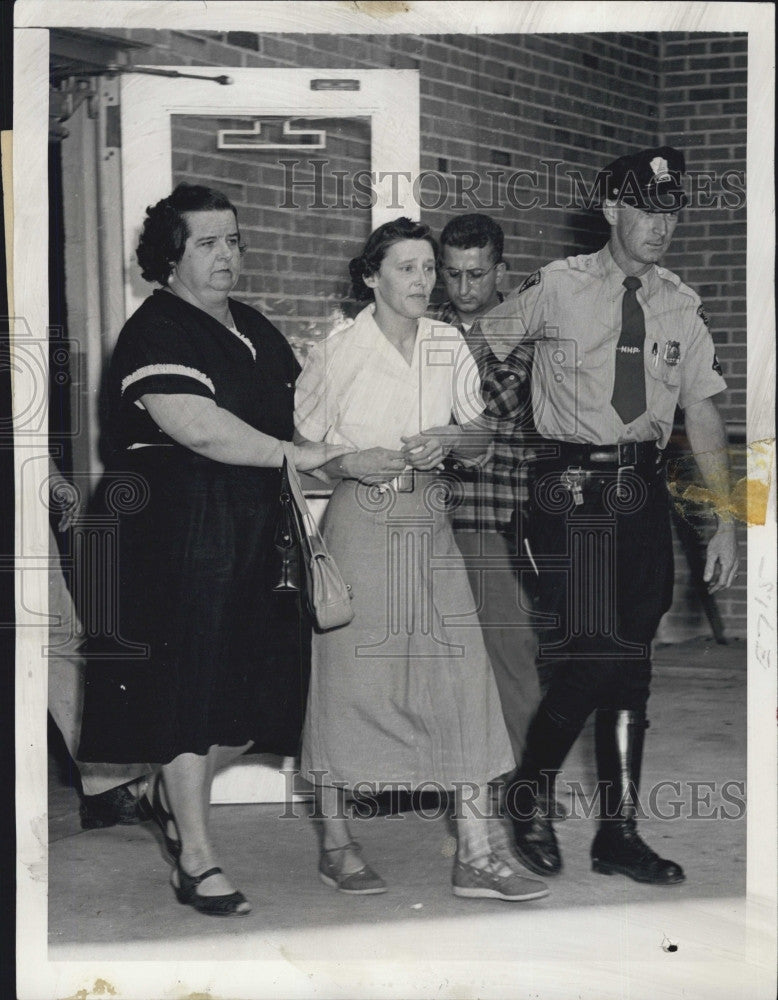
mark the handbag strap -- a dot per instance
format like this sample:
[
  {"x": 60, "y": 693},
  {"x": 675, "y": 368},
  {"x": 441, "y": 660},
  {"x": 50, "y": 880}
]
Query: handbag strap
[{"x": 296, "y": 489}]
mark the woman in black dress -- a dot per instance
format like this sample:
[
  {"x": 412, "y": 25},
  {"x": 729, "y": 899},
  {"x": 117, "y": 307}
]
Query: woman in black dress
[{"x": 204, "y": 660}]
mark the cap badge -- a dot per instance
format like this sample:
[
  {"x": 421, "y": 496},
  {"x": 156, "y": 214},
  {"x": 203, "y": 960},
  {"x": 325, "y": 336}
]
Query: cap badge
[{"x": 660, "y": 168}]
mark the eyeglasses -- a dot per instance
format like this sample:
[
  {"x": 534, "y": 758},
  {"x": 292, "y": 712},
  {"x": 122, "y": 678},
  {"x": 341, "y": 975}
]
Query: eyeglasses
[{"x": 472, "y": 275}]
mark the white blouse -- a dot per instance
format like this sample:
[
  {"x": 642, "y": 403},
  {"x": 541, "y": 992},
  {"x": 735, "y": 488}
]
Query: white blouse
[{"x": 357, "y": 389}]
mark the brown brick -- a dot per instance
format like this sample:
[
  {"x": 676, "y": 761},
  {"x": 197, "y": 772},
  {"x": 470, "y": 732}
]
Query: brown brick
[
  {"x": 685, "y": 79},
  {"x": 188, "y": 44},
  {"x": 216, "y": 54},
  {"x": 715, "y": 92},
  {"x": 278, "y": 49},
  {"x": 686, "y": 48},
  {"x": 243, "y": 39},
  {"x": 734, "y": 43},
  {"x": 182, "y": 163}
]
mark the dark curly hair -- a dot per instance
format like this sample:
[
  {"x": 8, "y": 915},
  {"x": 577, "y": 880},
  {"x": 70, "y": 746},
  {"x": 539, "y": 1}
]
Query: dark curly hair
[
  {"x": 374, "y": 251},
  {"x": 475, "y": 230},
  {"x": 165, "y": 230}
]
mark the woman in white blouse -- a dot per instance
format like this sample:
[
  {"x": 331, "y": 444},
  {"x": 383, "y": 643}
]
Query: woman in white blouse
[{"x": 404, "y": 695}]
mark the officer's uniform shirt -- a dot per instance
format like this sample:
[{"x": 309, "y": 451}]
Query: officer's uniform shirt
[{"x": 572, "y": 309}]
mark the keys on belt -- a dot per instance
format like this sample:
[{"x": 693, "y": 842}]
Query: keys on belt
[
  {"x": 573, "y": 480},
  {"x": 621, "y": 491},
  {"x": 597, "y": 463}
]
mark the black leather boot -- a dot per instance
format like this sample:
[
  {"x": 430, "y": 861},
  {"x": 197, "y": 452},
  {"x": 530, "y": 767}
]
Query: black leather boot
[
  {"x": 549, "y": 739},
  {"x": 617, "y": 847}
]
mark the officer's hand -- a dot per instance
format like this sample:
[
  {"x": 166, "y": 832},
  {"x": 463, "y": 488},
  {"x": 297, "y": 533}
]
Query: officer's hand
[{"x": 722, "y": 562}]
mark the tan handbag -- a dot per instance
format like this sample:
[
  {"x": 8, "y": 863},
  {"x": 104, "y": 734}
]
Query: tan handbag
[{"x": 328, "y": 596}]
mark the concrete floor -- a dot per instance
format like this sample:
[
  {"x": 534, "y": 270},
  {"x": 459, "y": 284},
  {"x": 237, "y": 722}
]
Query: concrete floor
[{"x": 593, "y": 936}]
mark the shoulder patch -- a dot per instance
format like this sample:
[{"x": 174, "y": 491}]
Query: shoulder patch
[
  {"x": 716, "y": 366},
  {"x": 533, "y": 279},
  {"x": 703, "y": 316}
]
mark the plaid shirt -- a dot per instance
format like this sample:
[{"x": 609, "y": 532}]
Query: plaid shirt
[{"x": 491, "y": 492}]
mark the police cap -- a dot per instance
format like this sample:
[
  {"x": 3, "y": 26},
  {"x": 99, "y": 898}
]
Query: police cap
[{"x": 649, "y": 179}]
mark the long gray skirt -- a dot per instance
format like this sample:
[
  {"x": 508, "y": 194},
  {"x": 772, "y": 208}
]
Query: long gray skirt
[{"x": 405, "y": 693}]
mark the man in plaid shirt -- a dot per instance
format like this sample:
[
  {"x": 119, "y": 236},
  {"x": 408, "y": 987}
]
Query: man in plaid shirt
[{"x": 486, "y": 513}]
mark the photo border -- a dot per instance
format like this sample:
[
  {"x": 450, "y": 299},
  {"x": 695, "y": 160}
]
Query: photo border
[{"x": 37, "y": 975}]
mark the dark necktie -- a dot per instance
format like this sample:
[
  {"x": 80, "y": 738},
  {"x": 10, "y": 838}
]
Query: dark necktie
[{"x": 629, "y": 383}]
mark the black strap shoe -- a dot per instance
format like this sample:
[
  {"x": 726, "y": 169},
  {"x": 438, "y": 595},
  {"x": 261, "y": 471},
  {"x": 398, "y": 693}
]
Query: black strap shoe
[
  {"x": 155, "y": 810},
  {"x": 231, "y": 904}
]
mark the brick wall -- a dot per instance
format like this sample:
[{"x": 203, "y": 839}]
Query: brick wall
[
  {"x": 285, "y": 273},
  {"x": 529, "y": 117},
  {"x": 703, "y": 81},
  {"x": 516, "y": 111}
]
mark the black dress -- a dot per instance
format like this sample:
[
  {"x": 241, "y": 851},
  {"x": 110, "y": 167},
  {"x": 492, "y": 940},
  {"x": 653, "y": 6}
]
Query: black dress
[{"x": 194, "y": 649}]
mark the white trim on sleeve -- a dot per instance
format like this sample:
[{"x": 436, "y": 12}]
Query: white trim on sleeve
[{"x": 148, "y": 370}]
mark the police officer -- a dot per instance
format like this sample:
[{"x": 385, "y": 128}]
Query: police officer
[{"x": 620, "y": 341}]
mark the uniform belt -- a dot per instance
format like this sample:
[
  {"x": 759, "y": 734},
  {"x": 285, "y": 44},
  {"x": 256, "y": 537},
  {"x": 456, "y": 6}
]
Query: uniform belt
[{"x": 628, "y": 453}]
